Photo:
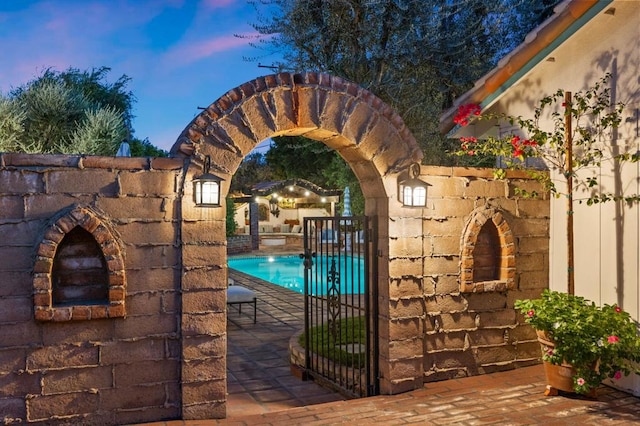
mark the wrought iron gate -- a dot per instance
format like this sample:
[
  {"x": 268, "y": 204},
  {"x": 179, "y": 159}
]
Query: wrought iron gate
[{"x": 341, "y": 303}]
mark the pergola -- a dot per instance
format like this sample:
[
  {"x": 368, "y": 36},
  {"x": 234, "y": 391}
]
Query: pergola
[{"x": 266, "y": 202}]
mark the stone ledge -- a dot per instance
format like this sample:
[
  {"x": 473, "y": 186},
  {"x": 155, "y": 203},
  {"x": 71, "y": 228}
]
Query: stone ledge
[{"x": 23, "y": 160}]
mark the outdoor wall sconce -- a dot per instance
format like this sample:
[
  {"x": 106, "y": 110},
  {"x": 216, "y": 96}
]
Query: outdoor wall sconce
[
  {"x": 206, "y": 187},
  {"x": 273, "y": 205},
  {"x": 412, "y": 192}
]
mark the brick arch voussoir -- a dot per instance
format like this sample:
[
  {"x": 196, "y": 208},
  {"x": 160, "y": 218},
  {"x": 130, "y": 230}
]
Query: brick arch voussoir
[
  {"x": 111, "y": 247},
  {"x": 319, "y": 106}
]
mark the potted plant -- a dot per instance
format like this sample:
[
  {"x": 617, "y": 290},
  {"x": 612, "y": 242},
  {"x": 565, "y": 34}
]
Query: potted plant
[{"x": 587, "y": 343}]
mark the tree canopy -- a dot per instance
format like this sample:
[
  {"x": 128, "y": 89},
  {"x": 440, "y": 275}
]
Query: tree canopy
[
  {"x": 296, "y": 156},
  {"x": 70, "y": 112},
  {"x": 252, "y": 170},
  {"x": 416, "y": 55},
  {"x": 144, "y": 148}
]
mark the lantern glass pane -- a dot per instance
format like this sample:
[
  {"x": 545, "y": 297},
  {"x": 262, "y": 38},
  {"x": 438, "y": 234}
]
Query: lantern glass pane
[
  {"x": 407, "y": 196},
  {"x": 419, "y": 196},
  {"x": 210, "y": 193},
  {"x": 198, "y": 189}
]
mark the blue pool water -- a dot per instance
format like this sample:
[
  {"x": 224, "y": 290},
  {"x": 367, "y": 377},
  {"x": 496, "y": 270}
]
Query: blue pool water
[{"x": 288, "y": 271}]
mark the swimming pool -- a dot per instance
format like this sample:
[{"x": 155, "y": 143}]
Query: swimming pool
[{"x": 288, "y": 271}]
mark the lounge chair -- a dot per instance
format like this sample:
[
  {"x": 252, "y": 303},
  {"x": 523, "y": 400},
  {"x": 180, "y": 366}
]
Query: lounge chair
[{"x": 237, "y": 295}]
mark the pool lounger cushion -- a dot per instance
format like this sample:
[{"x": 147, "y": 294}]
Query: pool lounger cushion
[{"x": 237, "y": 295}]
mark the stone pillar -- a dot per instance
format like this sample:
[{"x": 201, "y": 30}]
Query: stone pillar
[
  {"x": 203, "y": 321},
  {"x": 254, "y": 228}
]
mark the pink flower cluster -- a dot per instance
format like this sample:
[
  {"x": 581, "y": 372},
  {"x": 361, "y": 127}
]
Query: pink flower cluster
[
  {"x": 613, "y": 339},
  {"x": 464, "y": 112},
  {"x": 464, "y": 144},
  {"x": 519, "y": 144}
]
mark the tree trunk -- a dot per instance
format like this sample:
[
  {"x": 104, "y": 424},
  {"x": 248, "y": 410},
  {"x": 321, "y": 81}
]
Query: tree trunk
[{"x": 569, "y": 178}]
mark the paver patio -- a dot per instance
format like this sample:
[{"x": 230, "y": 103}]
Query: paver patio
[{"x": 262, "y": 391}]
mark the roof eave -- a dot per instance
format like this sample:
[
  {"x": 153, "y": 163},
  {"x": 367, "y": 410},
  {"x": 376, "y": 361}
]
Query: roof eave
[{"x": 569, "y": 16}]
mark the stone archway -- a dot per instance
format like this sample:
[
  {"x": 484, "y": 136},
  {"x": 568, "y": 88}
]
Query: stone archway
[{"x": 365, "y": 131}]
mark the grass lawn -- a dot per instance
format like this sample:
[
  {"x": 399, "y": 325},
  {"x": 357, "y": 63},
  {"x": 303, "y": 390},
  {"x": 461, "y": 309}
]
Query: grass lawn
[{"x": 346, "y": 348}]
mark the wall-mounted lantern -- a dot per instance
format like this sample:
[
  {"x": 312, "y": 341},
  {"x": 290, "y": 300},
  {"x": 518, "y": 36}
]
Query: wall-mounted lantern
[
  {"x": 273, "y": 205},
  {"x": 206, "y": 187},
  {"x": 412, "y": 192}
]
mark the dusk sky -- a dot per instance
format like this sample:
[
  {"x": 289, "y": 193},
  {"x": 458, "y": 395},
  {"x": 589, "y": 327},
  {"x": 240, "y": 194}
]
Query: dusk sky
[{"x": 180, "y": 54}]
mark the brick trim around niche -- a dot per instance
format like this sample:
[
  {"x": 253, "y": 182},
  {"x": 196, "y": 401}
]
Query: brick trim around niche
[
  {"x": 505, "y": 261},
  {"x": 114, "y": 305}
]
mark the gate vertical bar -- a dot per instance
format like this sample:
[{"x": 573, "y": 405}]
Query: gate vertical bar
[
  {"x": 307, "y": 308},
  {"x": 371, "y": 269}
]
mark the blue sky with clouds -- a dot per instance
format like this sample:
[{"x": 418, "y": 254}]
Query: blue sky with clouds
[{"x": 180, "y": 54}]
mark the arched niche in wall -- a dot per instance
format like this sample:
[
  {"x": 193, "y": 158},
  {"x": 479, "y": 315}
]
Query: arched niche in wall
[
  {"x": 487, "y": 261},
  {"x": 79, "y": 270}
]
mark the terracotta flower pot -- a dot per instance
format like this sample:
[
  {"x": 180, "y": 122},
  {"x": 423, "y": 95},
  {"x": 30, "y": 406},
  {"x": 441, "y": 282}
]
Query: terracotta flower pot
[{"x": 559, "y": 377}]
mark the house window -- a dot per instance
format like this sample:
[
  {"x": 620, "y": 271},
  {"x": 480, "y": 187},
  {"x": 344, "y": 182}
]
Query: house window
[{"x": 263, "y": 212}]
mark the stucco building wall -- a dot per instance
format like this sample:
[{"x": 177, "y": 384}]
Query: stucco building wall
[{"x": 606, "y": 234}]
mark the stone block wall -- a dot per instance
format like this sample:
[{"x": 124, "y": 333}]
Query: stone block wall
[
  {"x": 474, "y": 329},
  {"x": 441, "y": 324},
  {"x": 156, "y": 348},
  {"x": 119, "y": 364},
  {"x": 239, "y": 244}
]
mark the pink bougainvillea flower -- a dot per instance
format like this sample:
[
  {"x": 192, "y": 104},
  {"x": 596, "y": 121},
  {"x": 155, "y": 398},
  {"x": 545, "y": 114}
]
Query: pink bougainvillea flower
[
  {"x": 517, "y": 146},
  {"x": 617, "y": 375},
  {"x": 613, "y": 339},
  {"x": 464, "y": 144},
  {"x": 580, "y": 381},
  {"x": 618, "y": 309},
  {"x": 459, "y": 117},
  {"x": 464, "y": 111},
  {"x": 531, "y": 313}
]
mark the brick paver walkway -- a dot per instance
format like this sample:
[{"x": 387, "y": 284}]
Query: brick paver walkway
[
  {"x": 506, "y": 398},
  {"x": 263, "y": 392},
  {"x": 259, "y": 378}
]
